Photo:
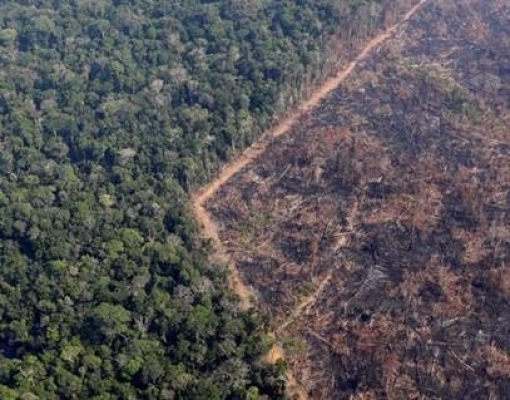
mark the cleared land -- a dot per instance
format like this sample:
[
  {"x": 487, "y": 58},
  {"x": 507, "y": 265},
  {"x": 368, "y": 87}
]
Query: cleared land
[
  {"x": 376, "y": 230},
  {"x": 211, "y": 230}
]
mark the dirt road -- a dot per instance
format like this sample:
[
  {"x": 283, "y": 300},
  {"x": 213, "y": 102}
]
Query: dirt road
[{"x": 209, "y": 226}]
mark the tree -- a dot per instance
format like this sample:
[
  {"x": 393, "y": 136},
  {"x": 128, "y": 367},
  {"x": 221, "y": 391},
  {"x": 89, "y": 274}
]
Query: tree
[{"x": 110, "y": 321}]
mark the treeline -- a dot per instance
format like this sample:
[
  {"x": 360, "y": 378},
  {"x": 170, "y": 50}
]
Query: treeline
[{"x": 111, "y": 111}]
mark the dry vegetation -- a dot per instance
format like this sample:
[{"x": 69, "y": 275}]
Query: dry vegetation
[{"x": 388, "y": 207}]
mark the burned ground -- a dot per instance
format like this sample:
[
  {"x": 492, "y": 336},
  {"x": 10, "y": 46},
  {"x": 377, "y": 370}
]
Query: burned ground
[{"x": 393, "y": 198}]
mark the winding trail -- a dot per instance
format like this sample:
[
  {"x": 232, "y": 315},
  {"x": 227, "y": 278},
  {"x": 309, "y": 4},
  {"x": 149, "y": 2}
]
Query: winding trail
[{"x": 209, "y": 226}]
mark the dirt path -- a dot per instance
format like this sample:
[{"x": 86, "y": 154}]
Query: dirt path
[
  {"x": 209, "y": 226},
  {"x": 284, "y": 126}
]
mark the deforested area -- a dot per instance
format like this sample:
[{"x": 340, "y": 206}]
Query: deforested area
[
  {"x": 112, "y": 114},
  {"x": 376, "y": 231}
]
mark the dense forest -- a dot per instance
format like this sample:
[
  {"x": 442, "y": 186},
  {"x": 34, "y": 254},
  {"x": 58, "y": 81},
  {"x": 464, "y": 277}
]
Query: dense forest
[{"x": 111, "y": 113}]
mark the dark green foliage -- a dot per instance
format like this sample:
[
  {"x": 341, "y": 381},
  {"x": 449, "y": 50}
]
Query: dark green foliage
[{"x": 110, "y": 112}]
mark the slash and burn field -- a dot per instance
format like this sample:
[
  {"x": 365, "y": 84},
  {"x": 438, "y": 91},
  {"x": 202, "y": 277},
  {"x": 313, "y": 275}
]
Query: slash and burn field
[{"x": 376, "y": 232}]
